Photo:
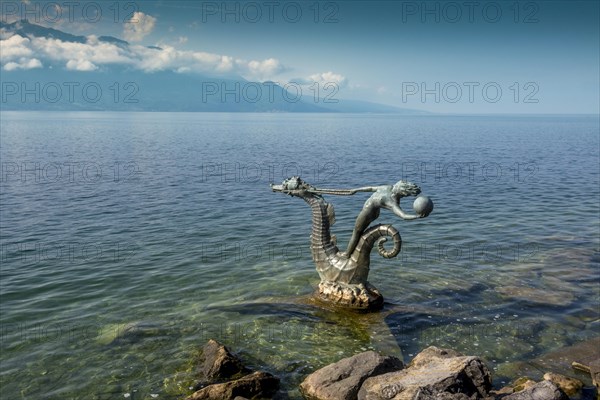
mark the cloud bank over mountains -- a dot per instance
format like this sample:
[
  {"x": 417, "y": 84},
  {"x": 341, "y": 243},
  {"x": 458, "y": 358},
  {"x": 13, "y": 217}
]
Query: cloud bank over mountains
[
  {"x": 24, "y": 46},
  {"x": 25, "y": 51},
  {"x": 158, "y": 77}
]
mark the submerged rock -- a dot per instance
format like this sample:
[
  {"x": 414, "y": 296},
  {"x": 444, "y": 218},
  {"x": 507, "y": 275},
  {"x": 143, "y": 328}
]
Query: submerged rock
[
  {"x": 544, "y": 390},
  {"x": 501, "y": 392},
  {"x": 131, "y": 332},
  {"x": 554, "y": 277},
  {"x": 434, "y": 373},
  {"x": 559, "y": 361},
  {"x": 592, "y": 368},
  {"x": 595, "y": 372},
  {"x": 343, "y": 379},
  {"x": 536, "y": 295},
  {"x": 522, "y": 384},
  {"x": 568, "y": 385}
]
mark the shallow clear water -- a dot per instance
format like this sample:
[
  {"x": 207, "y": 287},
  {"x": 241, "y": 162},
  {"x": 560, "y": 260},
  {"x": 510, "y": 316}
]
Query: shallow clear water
[{"x": 129, "y": 239}]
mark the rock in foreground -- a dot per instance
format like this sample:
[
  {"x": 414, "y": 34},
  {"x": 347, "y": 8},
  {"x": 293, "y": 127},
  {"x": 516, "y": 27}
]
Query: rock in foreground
[
  {"x": 218, "y": 364},
  {"x": 256, "y": 385},
  {"x": 343, "y": 379},
  {"x": 223, "y": 376},
  {"x": 433, "y": 374}
]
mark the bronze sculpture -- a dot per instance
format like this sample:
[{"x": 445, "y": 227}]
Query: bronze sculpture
[{"x": 344, "y": 274}]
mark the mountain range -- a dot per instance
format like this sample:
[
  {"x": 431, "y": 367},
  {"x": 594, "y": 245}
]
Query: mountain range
[{"x": 123, "y": 87}]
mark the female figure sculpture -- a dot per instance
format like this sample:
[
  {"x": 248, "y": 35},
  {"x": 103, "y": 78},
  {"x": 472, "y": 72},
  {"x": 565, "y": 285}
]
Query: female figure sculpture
[{"x": 344, "y": 274}]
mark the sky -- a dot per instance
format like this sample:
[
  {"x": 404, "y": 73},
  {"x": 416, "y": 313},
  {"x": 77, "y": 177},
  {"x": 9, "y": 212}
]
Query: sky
[{"x": 441, "y": 56}]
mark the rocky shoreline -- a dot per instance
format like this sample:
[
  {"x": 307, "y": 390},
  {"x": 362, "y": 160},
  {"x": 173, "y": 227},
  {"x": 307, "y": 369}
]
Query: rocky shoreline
[{"x": 433, "y": 374}]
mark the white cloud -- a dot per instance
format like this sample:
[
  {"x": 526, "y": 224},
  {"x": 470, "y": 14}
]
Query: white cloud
[
  {"x": 95, "y": 54},
  {"x": 23, "y": 64},
  {"x": 138, "y": 27},
  {"x": 198, "y": 61},
  {"x": 182, "y": 39},
  {"x": 329, "y": 77},
  {"x": 266, "y": 68},
  {"x": 323, "y": 80},
  {"x": 80, "y": 56},
  {"x": 81, "y": 65},
  {"x": 14, "y": 47},
  {"x": 93, "y": 51}
]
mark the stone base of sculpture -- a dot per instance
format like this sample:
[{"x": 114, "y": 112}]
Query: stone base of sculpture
[{"x": 358, "y": 297}]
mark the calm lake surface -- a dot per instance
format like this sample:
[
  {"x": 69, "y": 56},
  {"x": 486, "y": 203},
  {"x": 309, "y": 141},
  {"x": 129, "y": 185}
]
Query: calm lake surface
[{"x": 129, "y": 239}]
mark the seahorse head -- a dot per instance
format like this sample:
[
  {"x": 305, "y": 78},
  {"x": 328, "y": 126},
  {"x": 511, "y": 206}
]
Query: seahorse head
[
  {"x": 292, "y": 183},
  {"x": 295, "y": 186}
]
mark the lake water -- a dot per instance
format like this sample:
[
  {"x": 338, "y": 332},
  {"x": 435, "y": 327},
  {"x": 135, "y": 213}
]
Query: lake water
[{"x": 129, "y": 239}]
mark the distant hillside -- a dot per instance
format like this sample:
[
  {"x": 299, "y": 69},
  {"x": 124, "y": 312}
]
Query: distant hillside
[
  {"x": 121, "y": 87},
  {"x": 26, "y": 28}
]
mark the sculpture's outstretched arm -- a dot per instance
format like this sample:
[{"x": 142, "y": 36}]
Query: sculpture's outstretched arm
[
  {"x": 365, "y": 189},
  {"x": 400, "y": 213},
  {"x": 339, "y": 192},
  {"x": 344, "y": 192}
]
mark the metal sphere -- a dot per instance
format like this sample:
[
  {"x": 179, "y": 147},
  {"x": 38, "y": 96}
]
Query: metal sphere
[{"x": 423, "y": 206}]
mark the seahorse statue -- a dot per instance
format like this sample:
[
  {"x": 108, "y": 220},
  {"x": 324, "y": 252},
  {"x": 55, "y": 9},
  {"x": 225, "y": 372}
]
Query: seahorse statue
[{"x": 344, "y": 274}]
